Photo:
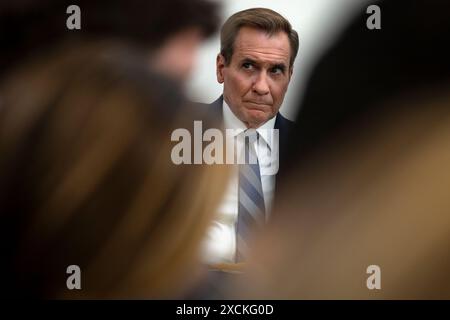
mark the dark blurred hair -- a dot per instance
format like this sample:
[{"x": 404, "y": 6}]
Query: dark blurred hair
[
  {"x": 366, "y": 67},
  {"x": 28, "y": 26}
]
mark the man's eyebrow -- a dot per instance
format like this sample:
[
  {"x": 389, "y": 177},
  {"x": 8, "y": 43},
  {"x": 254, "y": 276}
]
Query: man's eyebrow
[
  {"x": 281, "y": 65},
  {"x": 248, "y": 60}
]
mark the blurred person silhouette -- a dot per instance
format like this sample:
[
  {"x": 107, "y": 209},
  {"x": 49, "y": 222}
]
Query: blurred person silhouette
[
  {"x": 86, "y": 176},
  {"x": 368, "y": 180}
]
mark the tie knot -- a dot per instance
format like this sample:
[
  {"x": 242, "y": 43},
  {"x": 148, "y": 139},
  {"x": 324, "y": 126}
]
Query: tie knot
[
  {"x": 250, "y": 136},
  {"x": 251, "y": 132}
]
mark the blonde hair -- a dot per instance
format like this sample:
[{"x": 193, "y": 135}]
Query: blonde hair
[{"x": 87, "y": 178}]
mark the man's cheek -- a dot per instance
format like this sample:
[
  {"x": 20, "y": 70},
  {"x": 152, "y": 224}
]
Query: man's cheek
[{"x": 243, "y": 84}]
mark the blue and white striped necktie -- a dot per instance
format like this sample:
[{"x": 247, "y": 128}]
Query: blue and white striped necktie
[{"x": 251, "y": 210}]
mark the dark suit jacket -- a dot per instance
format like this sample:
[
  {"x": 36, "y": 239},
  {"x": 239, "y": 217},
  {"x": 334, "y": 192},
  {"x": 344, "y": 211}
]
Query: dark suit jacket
[{"x": 281, "y": 123}]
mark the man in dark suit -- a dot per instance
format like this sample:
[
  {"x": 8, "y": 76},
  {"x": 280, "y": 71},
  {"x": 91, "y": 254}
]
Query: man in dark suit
[
  {"x": 284, "y": 125},
  {"x": 255, "y": 64}
]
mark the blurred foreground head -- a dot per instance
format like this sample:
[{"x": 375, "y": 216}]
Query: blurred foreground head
[
  {"x": 86, "y": 178},
  {"x": 169, "y": 31},
  {"x": 369, "y": 174}
]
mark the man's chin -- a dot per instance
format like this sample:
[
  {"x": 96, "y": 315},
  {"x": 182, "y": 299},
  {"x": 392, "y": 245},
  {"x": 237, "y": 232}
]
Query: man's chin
[{"x": 256, "y": 118}]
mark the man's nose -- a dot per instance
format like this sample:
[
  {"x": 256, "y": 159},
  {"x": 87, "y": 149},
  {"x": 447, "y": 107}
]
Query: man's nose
[{"x": 260, "y": 84}]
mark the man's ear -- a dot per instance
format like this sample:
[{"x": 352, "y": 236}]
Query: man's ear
[{"x": 220, "y": 64}]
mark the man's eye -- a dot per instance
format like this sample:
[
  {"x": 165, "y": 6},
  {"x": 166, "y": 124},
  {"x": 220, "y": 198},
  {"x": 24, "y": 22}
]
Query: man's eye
[
  {"x": 277, "y": 70},
  {"x": 246, "y": 65}
]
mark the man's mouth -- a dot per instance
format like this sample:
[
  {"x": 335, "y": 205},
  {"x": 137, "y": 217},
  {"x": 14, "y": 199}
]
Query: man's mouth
[{"x": 257, "y": 105}]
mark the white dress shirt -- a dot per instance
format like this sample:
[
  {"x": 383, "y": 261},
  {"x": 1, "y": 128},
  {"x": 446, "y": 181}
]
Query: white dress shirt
[{"x": 220, "y": 243}]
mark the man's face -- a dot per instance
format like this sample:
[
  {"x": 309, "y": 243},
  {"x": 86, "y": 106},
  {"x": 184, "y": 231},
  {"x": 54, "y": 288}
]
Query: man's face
[{"x": 258, "y": 75}]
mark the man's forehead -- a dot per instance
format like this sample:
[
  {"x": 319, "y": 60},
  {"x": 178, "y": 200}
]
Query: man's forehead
[
  {"x": 257, "y": 45},
  {"x": 261, "y": 57}
]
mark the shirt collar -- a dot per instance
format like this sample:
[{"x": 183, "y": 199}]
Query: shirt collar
[{"x": 233, "y": 122}]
